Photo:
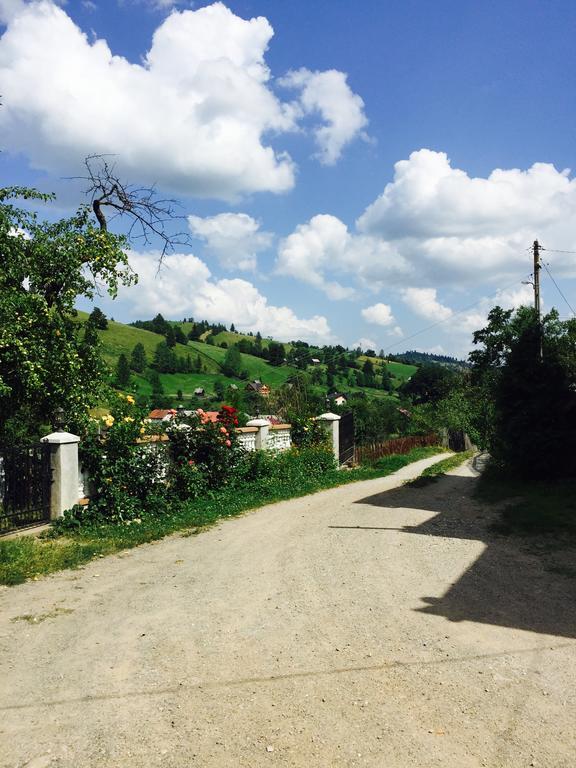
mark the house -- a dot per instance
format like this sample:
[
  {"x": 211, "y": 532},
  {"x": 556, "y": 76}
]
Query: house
[
  {"x": 315, "y": 361},
  {"x": 338, "y": 398},
  {"x": 199, "y": 392},
  {"x": 258, "y": 387},
  {"x": 162, "y": 414}
]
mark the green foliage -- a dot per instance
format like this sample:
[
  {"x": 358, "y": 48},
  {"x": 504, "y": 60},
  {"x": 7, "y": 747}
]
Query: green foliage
[
  {"x": 530, "y": 427},
  {"x": 307, "y": 432},
  {"x": 98, "y": 319},
  {"x": 232, "y": 363},
  {"x": 429, "y": 384},
  {"x": 138, "y": 360},
  {"x": 212, "y": 447},
  {"x": 123, "y": 474},
  {"x": 122, "y": 377},
  {"x": 46, "y": 361}
]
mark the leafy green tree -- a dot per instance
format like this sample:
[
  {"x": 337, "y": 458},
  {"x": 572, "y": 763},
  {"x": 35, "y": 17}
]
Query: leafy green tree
[
  {"x": 526, "y": 372},
  {"x": 138, "y": 360},
  {"x": 98, "y": 319},
  {"x": 45, "y": 362},
  {"x": 429, "y": 384}
]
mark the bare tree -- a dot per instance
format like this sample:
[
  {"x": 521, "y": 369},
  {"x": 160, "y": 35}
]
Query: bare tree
[{"x": 149, "y": 215}]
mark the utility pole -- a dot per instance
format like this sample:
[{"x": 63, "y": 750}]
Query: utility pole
[{"x": 537, "y": 267}]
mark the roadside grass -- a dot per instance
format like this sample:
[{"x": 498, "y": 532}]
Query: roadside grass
[
  {"x": 533, "y": 508},
  {"x": 433, "y": 473},
  {"x": 29, "y": 557}
]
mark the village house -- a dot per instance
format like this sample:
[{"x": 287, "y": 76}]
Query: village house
[
  {"x": 258, "y": 387},
  {"x": 338, "y": 398}
]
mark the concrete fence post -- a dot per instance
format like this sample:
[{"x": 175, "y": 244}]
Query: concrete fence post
[
  {"x": 331, "y": 423},
  {"x": 64, "y": 462},
  {"x": 262, "y": 434}
]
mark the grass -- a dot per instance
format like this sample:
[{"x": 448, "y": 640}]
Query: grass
[
  {"x": 532, "y": 508},
  {"x": 29, "y": 557},
  {"x": 433, "y": 473}
]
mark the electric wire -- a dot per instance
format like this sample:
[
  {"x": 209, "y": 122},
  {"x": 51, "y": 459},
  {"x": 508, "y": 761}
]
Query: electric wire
[{"x": 546, "y": 267}]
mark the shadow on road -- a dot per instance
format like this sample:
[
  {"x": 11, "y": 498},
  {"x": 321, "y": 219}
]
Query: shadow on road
[{"x": 508, "y": 585}]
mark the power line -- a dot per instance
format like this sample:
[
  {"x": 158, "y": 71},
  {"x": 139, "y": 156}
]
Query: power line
[
  {"x": 546, "y": 267},
  {"x": 452, "y": 317},
  {"x": 554, "y": 250}
]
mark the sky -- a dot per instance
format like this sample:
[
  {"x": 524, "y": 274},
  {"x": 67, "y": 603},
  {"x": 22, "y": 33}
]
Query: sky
[{"x": 366, "y": 173}]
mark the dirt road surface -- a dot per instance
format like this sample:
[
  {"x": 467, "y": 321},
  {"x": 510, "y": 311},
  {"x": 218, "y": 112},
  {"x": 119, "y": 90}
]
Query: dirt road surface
[{"x": 350, "y": 628}]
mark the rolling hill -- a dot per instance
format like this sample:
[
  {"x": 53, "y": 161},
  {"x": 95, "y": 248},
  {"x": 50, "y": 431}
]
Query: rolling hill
[{"x": 119, "y": 339}]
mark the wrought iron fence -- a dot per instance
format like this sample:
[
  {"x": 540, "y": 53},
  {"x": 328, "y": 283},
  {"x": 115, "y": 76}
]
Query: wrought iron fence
[{"x": 25, "y": 480}]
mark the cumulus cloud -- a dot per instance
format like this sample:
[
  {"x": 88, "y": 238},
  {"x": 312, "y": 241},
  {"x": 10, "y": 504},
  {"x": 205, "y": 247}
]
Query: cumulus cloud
[
  {"x": 364, "y": 344},
  {"x": 235, "y": 239},
  {"x": 423, "y": 302},
  {"x": 434, "y": 224},
  {"x": 324, "y": 245},
  {"x": 328, "y": 95},
  {"x": 192, "y": 116},
  {"x": 184, "y": 286},
  {"x": 379, "y": 314}
]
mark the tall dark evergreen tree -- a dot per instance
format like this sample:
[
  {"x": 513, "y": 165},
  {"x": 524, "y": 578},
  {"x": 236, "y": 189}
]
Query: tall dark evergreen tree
[
  {"x": 138, "y": 361},
  {"x": 122, "y": 377}
]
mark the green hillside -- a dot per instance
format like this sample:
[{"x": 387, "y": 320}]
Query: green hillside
[{"x": 119, "y": 339}]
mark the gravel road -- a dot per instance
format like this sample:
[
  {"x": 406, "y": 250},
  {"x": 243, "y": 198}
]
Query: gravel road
[{"x": 361, "y": 626}]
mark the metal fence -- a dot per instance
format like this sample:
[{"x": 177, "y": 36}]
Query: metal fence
[{"x": 25, "y": 480}]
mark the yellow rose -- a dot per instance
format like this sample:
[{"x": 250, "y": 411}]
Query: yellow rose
[{"x": 130, "y": 399}]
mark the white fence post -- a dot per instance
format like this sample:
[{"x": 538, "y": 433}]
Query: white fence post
[
  {"x": 64, "y": 462},
  {"x": 331, "y": 423},
  {"x": 262, "y": 434}
]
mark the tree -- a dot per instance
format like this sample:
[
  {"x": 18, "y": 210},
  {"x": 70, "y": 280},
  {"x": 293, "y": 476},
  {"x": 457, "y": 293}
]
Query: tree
[
  {"x": 232, "y": 363},
  {"x": 138, "y": 360},
  {"x": 45, "y": 362},
  {"x": 529, "y": 416},
  {"x": 232, "y": 328},
  {"x": 165, "y": 361},
  {"x": 170, "y": 336},
  {"x": 122, "y": 377},
  {"x": 98, "y": 319},
  {"x": 429, "y": 384},
  {"x": 157, "y": 397}
]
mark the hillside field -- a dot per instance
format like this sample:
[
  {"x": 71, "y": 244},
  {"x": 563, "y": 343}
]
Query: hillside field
[{"x": 119, "y": 338}]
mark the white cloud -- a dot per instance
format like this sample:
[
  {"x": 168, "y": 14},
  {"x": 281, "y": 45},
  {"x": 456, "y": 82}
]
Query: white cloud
[
  {"x": 193, "y": 116},
  {"x": 379, "y": 314},
  {"x": 329, "y": 95},
  {"x": 184, "y": 286},
  {"x": 324, "y": 245},
  {"x": 434, "y": 225},
  {"x": 364, "y": 344},
  {"x": 234, "y": 239},
  {"x": 396, "y": 331},
  {"x": 423, "y": 302}
]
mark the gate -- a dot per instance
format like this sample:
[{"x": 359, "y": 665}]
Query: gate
[
  {"x": 346, "y": 436},
  {"x": 25, "y": 480}
]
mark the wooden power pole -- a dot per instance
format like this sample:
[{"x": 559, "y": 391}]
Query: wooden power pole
[{"x": 537, "y": 267}]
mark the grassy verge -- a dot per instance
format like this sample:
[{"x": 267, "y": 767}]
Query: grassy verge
[
  {"x": 431, "y": 474},
  {"x": 533, "y": 508},
  {"x": 30, "y": 557}
]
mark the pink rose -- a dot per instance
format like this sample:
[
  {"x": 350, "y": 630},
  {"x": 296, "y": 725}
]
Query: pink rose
[
  {"x": 224, "y": 430},
  {"x": 228, "y": 443}
]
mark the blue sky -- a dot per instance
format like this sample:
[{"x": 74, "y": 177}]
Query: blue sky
[{"x": 353, "y": 172}]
